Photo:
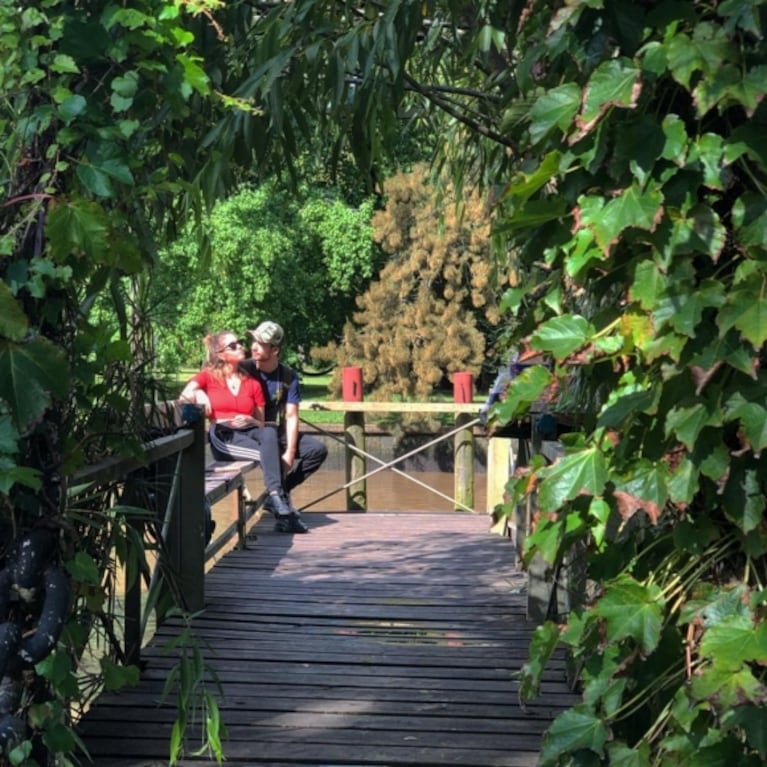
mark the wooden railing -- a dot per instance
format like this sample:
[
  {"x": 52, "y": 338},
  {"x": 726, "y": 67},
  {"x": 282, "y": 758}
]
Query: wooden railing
[{"x": 357, "y": 457}]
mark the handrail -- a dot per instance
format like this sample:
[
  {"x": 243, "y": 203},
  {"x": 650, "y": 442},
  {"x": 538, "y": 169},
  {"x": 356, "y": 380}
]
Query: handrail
[
  {"x": 356, "y": 456},
  {"x": 181, "y": 548},
  {"x": 368, "y": 406}
]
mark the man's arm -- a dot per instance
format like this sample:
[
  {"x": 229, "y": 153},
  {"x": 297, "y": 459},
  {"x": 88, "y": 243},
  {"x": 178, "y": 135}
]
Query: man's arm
[{"x": 291, "y": 435}]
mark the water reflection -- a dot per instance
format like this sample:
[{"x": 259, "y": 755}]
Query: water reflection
[{"x": 386, "y": 491}]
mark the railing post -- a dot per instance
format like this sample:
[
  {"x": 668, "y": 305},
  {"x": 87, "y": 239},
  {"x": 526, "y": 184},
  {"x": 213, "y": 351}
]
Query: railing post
[
  {"x": 132, "y": 627},
  {"x": 186, "y": 544},
  {"x": 354, "y": 434},
  {"x": 463, "y": 392}
]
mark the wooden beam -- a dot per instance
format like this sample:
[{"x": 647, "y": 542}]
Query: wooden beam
[{"x": 393, "y": 407}]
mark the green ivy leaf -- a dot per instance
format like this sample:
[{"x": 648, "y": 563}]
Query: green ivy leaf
[
  {"x": 13, "y": 321},
  {"x": 728, "y": 688},
  {"x": 646, "y": 484},
  {"x": 110, "y": 159},
  {"x": 534, "y": 213},
  {"x": 751, "y": 720},
  {"x": 554, "y": 109},
  {"x": 749, "y": 214},
  {"x": 544, "y": 642},
  {"x": 752, "y": 417},
  {"x": 683, "y": 482},
  {"x": 94, "y": 180},
  {"x": 675, "y": 148},
  {"x": 744, "y": 499},
  {"x": 621, "y": 755},
  {"x": 624, "y": 401},
  {"x": 701, "y": 231},
  {"x": 29, "y": 375},
  {"x": 77, "y": 227},
  {"x": 732, "y": 644},
  {"x": 581, "y": 472},
  {"x": 686, "y": 423},
  {"x": 703, "y": 53},
  {"x": 746, "y": 310},
  {"x": 11, "y": 474},
  {"x": 524, "y": 185},
  {"x": 84, "y": 568},
  {"x": 523, "y": 391},
  {"x": 545, "y": 540},
  {"x": 577, "y": 728},
  {"x": 614, "y": 83},
  {"x": 632, "y": 609},
  {"x": 8, "y": 435},
  {"x": 634, "y": 207},
  {"x": 561, "y": 336},
  {"x": 648, "y": 285},
  {"x": 58, "y": 738},
  {"x": 117, "y": 677},
  {"x": 690, "y": 306}
]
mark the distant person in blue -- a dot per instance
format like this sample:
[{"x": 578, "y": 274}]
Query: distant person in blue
[{"x": 301, "y": 454}]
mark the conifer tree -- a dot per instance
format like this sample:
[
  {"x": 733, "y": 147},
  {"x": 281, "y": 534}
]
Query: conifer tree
[{"x": 424, "y": 318}]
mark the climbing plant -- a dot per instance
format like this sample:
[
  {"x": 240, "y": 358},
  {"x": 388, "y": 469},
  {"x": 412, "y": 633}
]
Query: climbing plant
[{"x": 643, "y": 209}]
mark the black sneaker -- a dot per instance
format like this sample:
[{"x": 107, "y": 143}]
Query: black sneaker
[
  {"x": 277, "y": 505},
  {"x": 290, "y": 523}
]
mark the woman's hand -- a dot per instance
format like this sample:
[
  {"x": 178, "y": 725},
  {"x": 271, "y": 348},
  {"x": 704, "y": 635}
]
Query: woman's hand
[{"x": 243, "y": 421}]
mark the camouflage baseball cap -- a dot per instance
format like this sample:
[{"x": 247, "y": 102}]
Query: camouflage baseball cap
[{"x": 268, "y": 333}]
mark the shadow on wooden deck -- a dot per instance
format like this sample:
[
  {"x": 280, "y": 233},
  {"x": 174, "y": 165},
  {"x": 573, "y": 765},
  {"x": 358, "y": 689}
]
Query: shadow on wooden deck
[{"x": 376, "y": 639}]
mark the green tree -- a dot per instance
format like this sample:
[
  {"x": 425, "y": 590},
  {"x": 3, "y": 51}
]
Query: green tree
[
  {"x": 422, "y": 318},
  {"x": 273, "y": 254}
]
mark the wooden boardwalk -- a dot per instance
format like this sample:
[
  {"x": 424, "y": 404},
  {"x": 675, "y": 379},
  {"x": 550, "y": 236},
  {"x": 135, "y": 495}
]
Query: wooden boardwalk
[{"x": 376, "y": 639}]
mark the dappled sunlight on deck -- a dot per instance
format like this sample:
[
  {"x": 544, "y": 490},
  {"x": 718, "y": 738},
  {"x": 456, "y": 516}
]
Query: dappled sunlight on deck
[{"x": 376, "y": 639}]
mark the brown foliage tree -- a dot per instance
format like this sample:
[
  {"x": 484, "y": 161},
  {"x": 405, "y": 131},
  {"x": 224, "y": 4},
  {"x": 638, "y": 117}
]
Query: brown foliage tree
[{"x": 419, "y": 322}]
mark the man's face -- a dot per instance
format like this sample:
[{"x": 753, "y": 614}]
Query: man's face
[{"x": 263, "y": 352}]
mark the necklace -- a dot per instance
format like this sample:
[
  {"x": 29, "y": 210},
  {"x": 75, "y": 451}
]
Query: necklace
[{"x": 233, "y": 382}]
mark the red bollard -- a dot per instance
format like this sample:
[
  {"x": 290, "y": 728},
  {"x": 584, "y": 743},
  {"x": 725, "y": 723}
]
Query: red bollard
[
  {"x": 352, "y": 384},
  {"x": 463, "y": 387}
]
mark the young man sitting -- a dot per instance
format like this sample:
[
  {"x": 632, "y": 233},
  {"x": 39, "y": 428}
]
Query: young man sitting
[{"x": 301, "y": 454}]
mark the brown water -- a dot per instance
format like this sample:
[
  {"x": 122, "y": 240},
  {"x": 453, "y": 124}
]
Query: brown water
[{"x": 386, "y": 491}]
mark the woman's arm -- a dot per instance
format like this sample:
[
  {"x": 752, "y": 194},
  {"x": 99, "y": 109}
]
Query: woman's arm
[{"x": 196, "y": 395}]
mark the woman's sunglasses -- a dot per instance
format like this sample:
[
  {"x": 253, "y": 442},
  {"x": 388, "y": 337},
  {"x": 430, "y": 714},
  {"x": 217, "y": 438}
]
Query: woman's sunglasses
[{"x": 233, "y": 345}]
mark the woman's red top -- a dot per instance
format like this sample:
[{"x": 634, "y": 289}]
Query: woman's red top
[{"x": 223, "y": 403}]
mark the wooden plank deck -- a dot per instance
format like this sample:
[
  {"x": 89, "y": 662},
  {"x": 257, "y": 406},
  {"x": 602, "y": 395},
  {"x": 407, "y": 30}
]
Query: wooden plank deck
[{"x": 376, "y": 639}]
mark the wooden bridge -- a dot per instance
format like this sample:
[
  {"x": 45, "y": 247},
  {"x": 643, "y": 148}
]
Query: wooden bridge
[{"x": 376, "y": 639}]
